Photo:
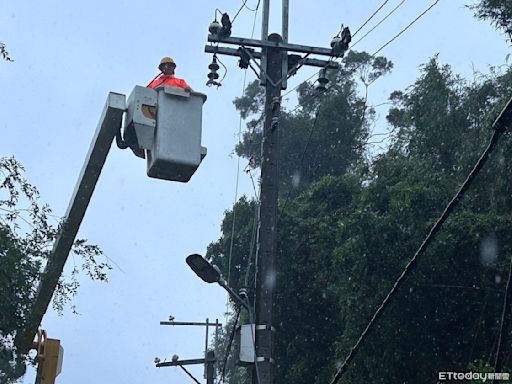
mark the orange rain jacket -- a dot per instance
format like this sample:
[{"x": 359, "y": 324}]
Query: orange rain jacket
[{"x": 169, "y": 80}]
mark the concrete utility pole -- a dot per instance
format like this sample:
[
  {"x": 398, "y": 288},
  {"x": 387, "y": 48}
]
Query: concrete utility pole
[
  {"x": 276, "y": 66},
  {"x": 266, "y": 274}
]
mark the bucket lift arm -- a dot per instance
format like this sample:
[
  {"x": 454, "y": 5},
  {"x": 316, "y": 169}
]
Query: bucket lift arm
[{"x": 109, "y": 124}]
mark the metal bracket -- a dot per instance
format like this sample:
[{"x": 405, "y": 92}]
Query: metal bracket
[
  {"x": 265, "y": 328},
  {"x": 262, "y": 72},
  {"x": 260, "y": 359},
  {"x": 251, "y": 57}
]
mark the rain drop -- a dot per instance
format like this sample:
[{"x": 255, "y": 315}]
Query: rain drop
[{"x": 489, "y": 250}]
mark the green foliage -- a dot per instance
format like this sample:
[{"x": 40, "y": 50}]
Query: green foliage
[
  {"x": 499, "y": 12},
  {"x": 26, "y": 238},
  {"x": 339, "y": 121},
  {"x": 3, "y": 52},
  {"x": 347, "y": 233}
]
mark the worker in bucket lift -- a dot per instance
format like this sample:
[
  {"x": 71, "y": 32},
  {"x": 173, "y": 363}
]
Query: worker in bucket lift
[{"x": 166, "y": 77}]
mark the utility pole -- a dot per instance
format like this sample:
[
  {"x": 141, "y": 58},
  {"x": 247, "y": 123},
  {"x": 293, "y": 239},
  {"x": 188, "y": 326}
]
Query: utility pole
[
  {"x": 276, "y": 66},
  {"x": 209, "y": 356},
  {"x": 266, "y": 274}
]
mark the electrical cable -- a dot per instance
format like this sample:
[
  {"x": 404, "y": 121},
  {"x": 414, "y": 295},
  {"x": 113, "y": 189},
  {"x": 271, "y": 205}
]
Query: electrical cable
[
  {"x": 237, "y": 316},
  {"x": 309, "y": 78},
  {"x": 379, "y": 23},
  {"x": 121, "y": 144},
  {"x": 505, "y": 319},
  {"x": 315, "y": 95},
  {"x": 407, "y": 27},
  {"x": 314, "y": 123},
  {"x": 237, "y": 172},
  {"x": 311, "y": 131},
  {"x": 235, "y": 200},
  {"x": 225, "y": 71},
  {"x": 253, "y": 242},
  {"x": 375, "y": 53},
  {"x": 371, "y": 17},
  {"x": 340, "y": 372},
  {"x": 253, "y": 332},
  {"x": 228, "y": 348},
  {"x": 244, "y": 5},
  {"x": 499, "y": 127},
  {"x": 189, "y": 374},
  {"x": 479, "y": 324},
  {"x": 249, "y": 8}
]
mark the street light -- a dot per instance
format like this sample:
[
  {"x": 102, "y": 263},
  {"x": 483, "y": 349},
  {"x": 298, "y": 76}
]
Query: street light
[{"x": 211, "y": 274}]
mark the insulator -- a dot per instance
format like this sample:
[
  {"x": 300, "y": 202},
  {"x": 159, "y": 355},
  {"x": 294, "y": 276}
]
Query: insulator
[
  {"x": 322, "y": 80},
  {"x": 213, "y": 66},
  {"x": 214, "y": 27},
  {"x": 213, "y": 75}
]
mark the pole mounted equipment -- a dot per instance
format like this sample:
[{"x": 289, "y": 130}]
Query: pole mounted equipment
[
  {"x": 225, "y": 31},
  {"x": 322, "y": 80},
  {"x": 213, "y": 75},
  {"x": 340, "y": 42},
  {"x": 245, "y": 57},
  {"x": 214, "y": 27}
]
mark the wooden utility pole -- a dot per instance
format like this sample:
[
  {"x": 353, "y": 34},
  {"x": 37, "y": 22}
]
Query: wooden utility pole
[{"x": 276, "y": 66}]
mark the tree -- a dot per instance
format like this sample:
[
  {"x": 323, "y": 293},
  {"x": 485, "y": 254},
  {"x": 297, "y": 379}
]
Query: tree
[
  {"x": 340, "y": 124},
  {"x": 3, "y": 52},
  {"x": 339, "y": 121},
  {"x": 499, "y": 12},
  {"x": 445, "y": 318},
  {"x": 26, "y": 237},
  {"x": 344, "y": 237}
]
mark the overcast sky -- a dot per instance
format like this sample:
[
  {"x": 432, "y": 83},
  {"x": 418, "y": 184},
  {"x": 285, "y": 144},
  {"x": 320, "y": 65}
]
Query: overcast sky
[{"x": 69, "y": 55}]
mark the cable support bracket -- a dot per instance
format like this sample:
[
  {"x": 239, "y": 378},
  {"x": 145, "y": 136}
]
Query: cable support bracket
[
  {"x": 260, "y": 359},
  {"x": 264, "y": 327},
  {"x": 248, "y": 53}
]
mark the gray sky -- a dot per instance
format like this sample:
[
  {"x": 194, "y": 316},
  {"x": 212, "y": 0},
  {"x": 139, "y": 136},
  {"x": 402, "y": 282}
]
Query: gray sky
[{"x": 69, "y": 55}]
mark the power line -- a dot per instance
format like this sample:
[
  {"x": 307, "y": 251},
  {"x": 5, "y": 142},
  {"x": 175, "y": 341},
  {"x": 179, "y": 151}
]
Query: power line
[
  {"x": 234, "y": 219},
  {"x": 479, "y": 324},
  {"x": 375, "y": 53},
  {"x": 189, "y": 374},
  {"x": 225, "y": 71},
  {"x": 315, "y": 95},
  {"x": 407, "y": 27},
  {"x": 380, "y": 22},
  {"x": 244, "y": 5},
  {"x": 238, "y": 169},
  {"x": 228, "y": 348},
  {"x": 371, "y": 17},
  {"x": 500, "y": 125},
  {"x": 505, "y": 320},
  {"x": 311, "y": 131},
  {"x": 308, "y": 142},
  {"x": 250, "y": 9}
]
